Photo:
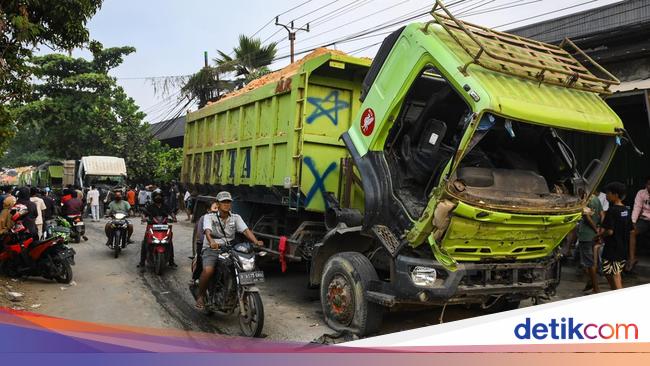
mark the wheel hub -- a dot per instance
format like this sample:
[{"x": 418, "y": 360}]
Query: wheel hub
[{"x": 340, "y": 300}]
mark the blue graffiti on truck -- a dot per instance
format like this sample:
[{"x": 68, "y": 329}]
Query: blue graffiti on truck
[
  {"x": 319, "y": 180},
  {"x": 332, "y": 100}
]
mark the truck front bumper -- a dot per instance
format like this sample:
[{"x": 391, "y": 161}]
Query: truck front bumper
[{"x": 470, "y": 283}]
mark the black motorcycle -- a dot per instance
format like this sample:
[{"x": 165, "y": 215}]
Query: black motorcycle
[
  {"x": 233, "y": 287},
  {"x": 119, "y": 225}
]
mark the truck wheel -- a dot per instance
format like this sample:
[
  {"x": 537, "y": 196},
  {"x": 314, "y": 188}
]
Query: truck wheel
[{"x": 346, "y": 277}]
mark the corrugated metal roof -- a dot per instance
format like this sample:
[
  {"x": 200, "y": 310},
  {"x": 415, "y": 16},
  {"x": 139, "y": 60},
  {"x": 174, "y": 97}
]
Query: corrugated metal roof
[
  {"x": 168, "y": 129},
  {"x": 585, "y": 23}
]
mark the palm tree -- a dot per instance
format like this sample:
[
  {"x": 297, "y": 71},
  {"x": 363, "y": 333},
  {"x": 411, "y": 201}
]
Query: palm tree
[
  {"x": 251, "y": 58},
  {"x": 250, "y": 61}
]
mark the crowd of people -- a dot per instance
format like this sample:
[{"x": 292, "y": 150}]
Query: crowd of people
[
  {"x": 609, "y": 231},
  {"x": 43, "y": 204}
]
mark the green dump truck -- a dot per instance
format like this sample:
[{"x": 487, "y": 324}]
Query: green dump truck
[{"x": 443, "y": 172}]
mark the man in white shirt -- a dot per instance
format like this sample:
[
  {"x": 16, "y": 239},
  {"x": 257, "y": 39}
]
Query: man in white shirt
[
  {"x": 219, "y": 229},
  {"x": 40, "y": 206},
  {"x": 93, "y": 201}
]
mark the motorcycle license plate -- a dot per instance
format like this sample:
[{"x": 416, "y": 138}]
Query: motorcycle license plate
[
  {"x": 160, "y": 227},
  {"x": 248, "y": 278},
  {"x": 79, "y": 223}
]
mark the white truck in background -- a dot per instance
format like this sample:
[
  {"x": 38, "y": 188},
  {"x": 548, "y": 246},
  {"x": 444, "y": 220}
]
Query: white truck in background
[{"x": 101, "y": 171}]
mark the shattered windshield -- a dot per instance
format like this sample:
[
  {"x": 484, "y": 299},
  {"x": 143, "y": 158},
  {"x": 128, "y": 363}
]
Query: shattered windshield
[{"x": 510, "y": 163}]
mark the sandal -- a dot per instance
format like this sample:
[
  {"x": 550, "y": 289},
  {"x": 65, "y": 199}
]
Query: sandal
[{"x": 199, "y": 305}]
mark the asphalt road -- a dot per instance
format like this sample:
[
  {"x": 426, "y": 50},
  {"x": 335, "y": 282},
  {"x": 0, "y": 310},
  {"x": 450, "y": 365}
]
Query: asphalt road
[{"x": 109, "y": 290}]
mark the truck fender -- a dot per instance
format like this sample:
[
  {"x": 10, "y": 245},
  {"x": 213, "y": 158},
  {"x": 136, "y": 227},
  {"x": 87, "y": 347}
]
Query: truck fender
[{"x": 339, "y": 239}]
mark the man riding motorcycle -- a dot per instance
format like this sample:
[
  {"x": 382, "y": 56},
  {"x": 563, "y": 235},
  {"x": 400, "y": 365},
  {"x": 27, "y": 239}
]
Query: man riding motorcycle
[
  {"x": 118, "y": 205},
  {"x": 220, "y": 229},
  {"x": 157, "y": 208}
]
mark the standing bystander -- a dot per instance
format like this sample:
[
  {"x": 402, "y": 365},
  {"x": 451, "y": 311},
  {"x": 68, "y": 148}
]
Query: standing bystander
[
  {"x": 40, "y": 207},
  {"x": 640, "y": 220},
  {"x": 587, "y": 235},
  {"x": 93, "y": 201},
  {"x": 615, "y": 230}
]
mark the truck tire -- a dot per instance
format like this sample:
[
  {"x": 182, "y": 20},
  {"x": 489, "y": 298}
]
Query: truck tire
[{"x": 343, "y": 294}]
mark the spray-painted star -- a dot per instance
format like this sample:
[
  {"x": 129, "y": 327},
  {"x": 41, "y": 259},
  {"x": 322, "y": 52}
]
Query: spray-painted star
[{"x": 332, "y": 113}]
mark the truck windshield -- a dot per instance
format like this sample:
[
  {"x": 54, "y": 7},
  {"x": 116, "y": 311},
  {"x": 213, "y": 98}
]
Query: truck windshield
[
  {"x": 105, "y": 180},
  {"x": 514, "y": 164}
]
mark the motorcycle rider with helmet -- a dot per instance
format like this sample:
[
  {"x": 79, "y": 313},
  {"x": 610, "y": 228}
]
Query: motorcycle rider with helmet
[
  {"x": 156, "y": 208},
  {"x": 118, "y": 205},
  {"x": 220, "y": 229}
]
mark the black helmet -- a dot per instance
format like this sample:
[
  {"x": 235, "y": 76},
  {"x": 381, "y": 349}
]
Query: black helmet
[{"x": 23, "y": 193}]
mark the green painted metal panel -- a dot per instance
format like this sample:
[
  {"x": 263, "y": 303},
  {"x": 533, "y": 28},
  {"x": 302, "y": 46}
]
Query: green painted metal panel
[
  {"x": 55, "y": 171},
  {"x": 270, "y": 135},
  {"x": 504, "y": 235}
]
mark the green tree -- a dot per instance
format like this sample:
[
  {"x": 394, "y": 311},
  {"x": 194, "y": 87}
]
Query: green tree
[
  {"x": 24, "y": 25},
  {"x": 76, "y": 109},
  {"x": 169, "y": 165},
  {"x": 206, "y": 85}
]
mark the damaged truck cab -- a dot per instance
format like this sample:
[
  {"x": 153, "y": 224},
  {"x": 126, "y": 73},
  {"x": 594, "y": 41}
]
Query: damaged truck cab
[
  {"x": 464, "y": 148},
  {"x": 447, "y": 171}
]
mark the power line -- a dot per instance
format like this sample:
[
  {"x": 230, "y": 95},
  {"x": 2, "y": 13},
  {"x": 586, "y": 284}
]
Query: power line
[
  {"x": 510, "y": 5},
  {"x": 311, "y": 12},
  {"x": 547, "y": 13},
  {"x": 346, "y": 8},
  {"x": 284, "y": 12},
  {"x": 354, "y": 21},
  {"x": 393, "y": 22}
]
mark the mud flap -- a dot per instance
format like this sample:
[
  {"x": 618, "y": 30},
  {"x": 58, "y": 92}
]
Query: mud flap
[{"x": 442, "y": 256}]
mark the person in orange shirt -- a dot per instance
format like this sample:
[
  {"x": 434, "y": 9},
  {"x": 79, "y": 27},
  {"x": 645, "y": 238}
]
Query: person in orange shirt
[{"x": 130, "y": 198}]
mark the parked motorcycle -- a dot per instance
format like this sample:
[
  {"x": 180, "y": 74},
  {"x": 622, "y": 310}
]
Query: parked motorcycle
[
  {"x": 78, "y": 230},
  {"x": 22, "y": 256},
  {"x": 158, "y": 240},
  {"x": 233, "y": 287},
  {"x": 120, "y": 225}
]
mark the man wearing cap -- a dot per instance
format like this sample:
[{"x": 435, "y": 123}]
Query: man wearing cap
[{"x": 220, "y": 229}]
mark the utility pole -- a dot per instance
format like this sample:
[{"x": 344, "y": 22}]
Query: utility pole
[{"x": 292, "y": 32}]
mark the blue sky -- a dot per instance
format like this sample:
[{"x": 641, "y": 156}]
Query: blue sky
[{"x": 171, "y": 36}]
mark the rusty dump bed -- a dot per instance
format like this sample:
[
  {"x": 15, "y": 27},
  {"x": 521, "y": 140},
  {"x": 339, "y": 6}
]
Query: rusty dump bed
[{"x": 523, "y": 57}]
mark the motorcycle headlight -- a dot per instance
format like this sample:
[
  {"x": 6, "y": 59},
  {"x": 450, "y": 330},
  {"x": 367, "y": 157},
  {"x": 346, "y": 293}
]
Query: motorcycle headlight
[
  {"x": 247, "y": 264},
  {"x": 156, "y": 241}
]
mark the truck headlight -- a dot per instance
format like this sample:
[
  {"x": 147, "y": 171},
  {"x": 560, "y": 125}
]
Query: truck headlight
[{"x": 423, "y": 276}]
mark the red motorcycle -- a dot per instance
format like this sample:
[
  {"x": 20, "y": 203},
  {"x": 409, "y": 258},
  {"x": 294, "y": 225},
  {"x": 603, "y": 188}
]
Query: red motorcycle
[
  {"x": 158, "y": 240},
  {"x": 22, "y": 256}
]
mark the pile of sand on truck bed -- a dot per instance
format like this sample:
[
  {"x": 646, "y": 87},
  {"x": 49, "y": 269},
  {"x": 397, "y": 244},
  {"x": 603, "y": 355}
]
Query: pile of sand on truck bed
[{"x": 276, "y": 76}]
